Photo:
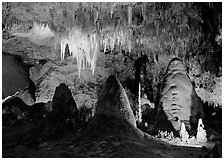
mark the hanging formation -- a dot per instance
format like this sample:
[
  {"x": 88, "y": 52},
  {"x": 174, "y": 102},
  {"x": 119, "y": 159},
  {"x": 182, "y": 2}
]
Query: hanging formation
[{"x": 82, "y": 47}]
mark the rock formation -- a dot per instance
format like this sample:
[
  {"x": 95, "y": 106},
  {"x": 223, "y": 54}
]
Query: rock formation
[
  {"x": 55, "y": 118},
  {"x": 113, "y": 115},
  {"x": 63, "y": 101},
  {"x": 113, "y": 101},
  {"x": 178, "y": 101},
  {"x": 201, "y": 132},
  {"x": 183, "y": 133}
]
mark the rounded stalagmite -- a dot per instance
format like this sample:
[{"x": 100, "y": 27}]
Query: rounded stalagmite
[{"x": 178, "y": 99}]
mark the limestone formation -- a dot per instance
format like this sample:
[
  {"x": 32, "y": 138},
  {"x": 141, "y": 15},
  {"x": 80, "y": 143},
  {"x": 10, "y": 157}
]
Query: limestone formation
[
  {"x": 183, "y": 133},
  {"x": 63, "y": 101},
  {"x": 55, "y": 118},
  {"x": 113, "y": 115},
  {"x": 113, "y": 101},
  {"x": 177, "y": 98},
  {"x": 201, "y": 132}
]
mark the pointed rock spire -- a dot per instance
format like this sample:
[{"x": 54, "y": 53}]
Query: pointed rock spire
[{"x": 113, "y": 101}]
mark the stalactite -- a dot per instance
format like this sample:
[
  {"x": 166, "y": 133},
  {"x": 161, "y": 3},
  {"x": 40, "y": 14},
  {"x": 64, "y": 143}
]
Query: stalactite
[
  {"x": 139, "y": 104},
  {"x": 111, "y": 10},
  {"x": 143, "y": 7},
  {"x": 83, "y": 48},
  {"x": 129, "y": 46},
  {"x": 105, "y": 45},
  {"x": 64, "y": 42},
  {"x": 129, "y": 40},
  {"x": 129, "y": 15},
  {"x": 94, "y": 57},
  {"x": 113, "y": 43}
]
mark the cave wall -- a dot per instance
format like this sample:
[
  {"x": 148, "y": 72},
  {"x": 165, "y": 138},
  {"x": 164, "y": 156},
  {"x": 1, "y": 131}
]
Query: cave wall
[{"x": 14, "y": 74}]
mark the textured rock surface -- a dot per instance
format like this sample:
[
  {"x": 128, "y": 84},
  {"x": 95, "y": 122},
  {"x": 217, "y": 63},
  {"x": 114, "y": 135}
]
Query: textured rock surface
[
  {"x": 38, "y": 71},
  {"x": 178, "y": 99}
]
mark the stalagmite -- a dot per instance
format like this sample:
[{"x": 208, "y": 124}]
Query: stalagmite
[
  {"x": 129, "y": 15},
  {"x": 183, "y": 133},
  {"x": 201, "y": 132},
  {"x": 144, "y": 11}
]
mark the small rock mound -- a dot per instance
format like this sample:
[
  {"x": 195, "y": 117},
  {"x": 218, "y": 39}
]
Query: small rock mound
[
  {"x": 178, "y": 101},
  {"x": 63, "y": 101},
  {"x": 114, "y": 115}
]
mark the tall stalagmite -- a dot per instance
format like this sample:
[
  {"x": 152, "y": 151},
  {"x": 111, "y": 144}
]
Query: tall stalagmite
[{"x": 178, "y": 101}]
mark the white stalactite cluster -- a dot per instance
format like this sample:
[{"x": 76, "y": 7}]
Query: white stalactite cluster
[
  {"x": 112, "y": 38},
  {"x": 37, "y": 33},
  {"x": 85, "y": 47},
  {"x": 82, "y": 47},
  {"x": 41, "y": 30}
]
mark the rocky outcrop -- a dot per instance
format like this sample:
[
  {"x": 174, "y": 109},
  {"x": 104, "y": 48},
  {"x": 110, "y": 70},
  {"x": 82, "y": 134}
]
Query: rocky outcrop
[{"x": 178, "y": 101}]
